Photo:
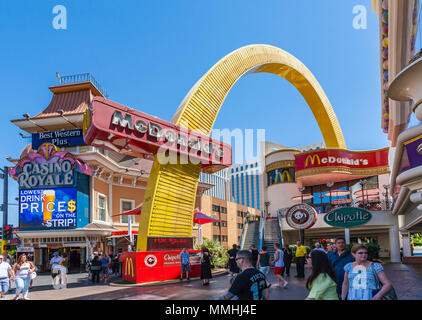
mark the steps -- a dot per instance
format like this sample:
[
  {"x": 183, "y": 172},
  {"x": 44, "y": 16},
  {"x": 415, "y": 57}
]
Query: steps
[
  {"x": 252, "y": 235},
  {"x": 271, "y": 235}
]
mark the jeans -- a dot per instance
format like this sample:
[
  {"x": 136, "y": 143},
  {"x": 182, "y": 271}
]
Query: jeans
[
  {"x": 4, "y": 285},
  {"x": 95, "y": 276},
  {"x": 22, "y": 285}
]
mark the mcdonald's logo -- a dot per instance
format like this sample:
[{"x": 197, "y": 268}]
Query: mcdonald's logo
[
  {"x": 283, "y": 177},
  {"x": 129, "y": 267},
  {"x": 312, "y": 158}
]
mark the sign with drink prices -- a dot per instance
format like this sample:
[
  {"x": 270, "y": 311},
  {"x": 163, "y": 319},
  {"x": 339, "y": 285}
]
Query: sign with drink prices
[{"x": 47, "y": 209}]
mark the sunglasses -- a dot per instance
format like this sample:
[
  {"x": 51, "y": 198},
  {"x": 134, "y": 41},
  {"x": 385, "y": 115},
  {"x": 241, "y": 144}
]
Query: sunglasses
[{"x": 361, "y": 252}]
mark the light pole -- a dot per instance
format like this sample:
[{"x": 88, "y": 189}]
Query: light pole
[
  {"x": 387, "y": 202},
  {"x": 267, "y": 204},
  {"x": 301, "y": 189},
  {"x": 362, "y": 183}
]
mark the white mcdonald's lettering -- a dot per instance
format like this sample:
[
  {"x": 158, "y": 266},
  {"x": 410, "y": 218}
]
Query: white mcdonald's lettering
[
  {"x": 129, "y": 267},
  {"x": 335, "y": 160}
]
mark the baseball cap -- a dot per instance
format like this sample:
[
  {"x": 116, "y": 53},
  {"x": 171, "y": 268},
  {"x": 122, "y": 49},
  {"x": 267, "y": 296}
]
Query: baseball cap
[
  {"x": 317, "y": 244},
  {"x": 56, "y": 253}
]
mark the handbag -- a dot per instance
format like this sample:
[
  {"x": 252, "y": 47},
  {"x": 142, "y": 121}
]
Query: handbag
[
  {"x": 390, "y": 295},
  {"x": 33, "y": 275}
]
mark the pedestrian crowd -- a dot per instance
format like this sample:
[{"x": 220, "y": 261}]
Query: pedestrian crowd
[{"x": 101, "y": 267}]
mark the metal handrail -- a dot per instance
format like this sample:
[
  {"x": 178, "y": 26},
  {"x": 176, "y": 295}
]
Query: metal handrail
[
  {"x": 280, "y": 232},
  {"x": 82, "y": 77},
  {"x": 261, "y": 233},
  {"x": 244, "y": 232}
]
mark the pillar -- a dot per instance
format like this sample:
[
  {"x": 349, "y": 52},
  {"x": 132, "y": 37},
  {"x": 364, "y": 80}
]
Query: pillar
[
  {"x": 407, "y": 252},
  {"x": 394, "y": 244},
  {"x": 347, "y": 235}
]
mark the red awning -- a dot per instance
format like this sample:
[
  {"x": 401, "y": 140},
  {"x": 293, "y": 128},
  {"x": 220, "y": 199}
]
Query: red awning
[
  {"x": 135, "y": 212},
  {"x": 201, "y": 218}
]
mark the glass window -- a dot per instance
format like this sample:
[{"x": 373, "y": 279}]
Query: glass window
[
  {"x": 126, "y": 205},
  {"x": 102, "y": 200}
]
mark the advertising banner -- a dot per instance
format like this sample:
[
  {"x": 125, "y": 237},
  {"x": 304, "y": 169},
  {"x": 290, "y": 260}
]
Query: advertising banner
[
  {"x": 347, "y": 217},
  {"x": 47, "y": 209}
]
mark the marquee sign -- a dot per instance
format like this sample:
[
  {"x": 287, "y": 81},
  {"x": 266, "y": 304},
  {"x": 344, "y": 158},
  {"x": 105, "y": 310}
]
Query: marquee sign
[
  {"x": 301, "y": 216},
  {"x": 354, "y": 161},
  {"x": 347, "y": 217},
  {"x": 122, "y": 129}
]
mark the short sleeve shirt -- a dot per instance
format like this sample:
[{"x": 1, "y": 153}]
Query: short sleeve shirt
[
  {"x": 232, "y": 253},
  {"x": 4, "y": 270},
  {"x": 249, "y": 285},
  {"x": 184, "y": 257},
  {"x": 362, "y": 281},
  {"x": 55, "y": 262}
]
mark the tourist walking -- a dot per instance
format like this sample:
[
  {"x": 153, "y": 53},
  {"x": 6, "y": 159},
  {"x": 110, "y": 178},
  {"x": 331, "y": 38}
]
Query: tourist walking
[
  {"x": 263, "y": 263},
  {"x": 322, "y": 281},
  {"x": 279, "y": 265},
  {"x": 104, "y": 268},
  {"x": 22, "y": 270},
  {"x": 95, "y": 269},
  {"x": 248, "y": 285},
  {"x": 318, "y": 247},
  {"x": 338, "y": 259},
  {"x": 300, "y": 260},
  {"x": 255, "y": 254},
  {"x": 58, "y": 271},
  {"x": 185, "y": 264},
  {"x": 287, "y": 258},
  {"x": 6, "y": 274},
  {"x": 205, "y": 267},
  {"x": 233, "y": 269},
  {"x": 361, "y": 277}
]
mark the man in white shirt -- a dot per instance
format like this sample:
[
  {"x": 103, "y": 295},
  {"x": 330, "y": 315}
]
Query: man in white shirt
[
  {"x": 56, "y": 261},
  {"x": 5, "y": 272}
]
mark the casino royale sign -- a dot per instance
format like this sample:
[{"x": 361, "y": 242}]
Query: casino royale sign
[
  {"x": 40, "y": 175},
  {"x": 110, "y": 125}
]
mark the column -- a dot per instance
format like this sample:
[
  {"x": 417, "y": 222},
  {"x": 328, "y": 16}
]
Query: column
[
  {"x": 394, "y": 244},
  {"x": 407, "y": 252},
  {"x": 347, "y": 235}
]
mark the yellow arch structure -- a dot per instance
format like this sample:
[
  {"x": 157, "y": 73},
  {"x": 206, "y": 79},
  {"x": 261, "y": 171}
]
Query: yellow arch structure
[{"x": 171, "y": 191}]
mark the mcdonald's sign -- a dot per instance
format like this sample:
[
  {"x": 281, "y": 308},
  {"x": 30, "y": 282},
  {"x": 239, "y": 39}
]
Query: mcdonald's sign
[
  {"x": 353, "y": 162},
  {"x": 312, "y": 159},
  {"x": 129, "y": 268}
]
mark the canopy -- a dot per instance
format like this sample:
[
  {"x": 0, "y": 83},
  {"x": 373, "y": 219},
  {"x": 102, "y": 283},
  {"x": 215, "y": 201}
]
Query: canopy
[
  {"x": 201, "y": 218},
  {"x": 370, "y": 191},
  {"x": 305, "y": 197},
  {"x": 135, "y": 212},
  {"x": 341, "y": 201},
  {"x": 337, "y": 193}
]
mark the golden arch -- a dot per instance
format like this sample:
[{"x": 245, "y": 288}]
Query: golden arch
[{"x": 171, "y": 190}]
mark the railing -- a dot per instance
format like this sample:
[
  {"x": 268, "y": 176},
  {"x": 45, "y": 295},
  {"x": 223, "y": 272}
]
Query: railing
[
  {"x": 280, "y": 233},
  {"x": 261, "y": 233},
  {"x": 370, "y": 205},
  {"x": 244, "y": 233},
  {"x": 82, "y": 77}
]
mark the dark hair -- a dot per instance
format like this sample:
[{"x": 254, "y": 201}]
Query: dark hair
[
  {"x": 235, "y": 246},
  {"x": 95, "y": 258},
  {"x": 340, "y": 239},
  {"x": 277, "y": 245},
  {"x": 320, "y": 264},
  {"x": 245, "y": 254}
]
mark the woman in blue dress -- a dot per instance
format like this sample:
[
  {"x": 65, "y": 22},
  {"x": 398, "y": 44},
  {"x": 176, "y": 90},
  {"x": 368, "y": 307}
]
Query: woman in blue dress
[{"x": 359, "y": 278}]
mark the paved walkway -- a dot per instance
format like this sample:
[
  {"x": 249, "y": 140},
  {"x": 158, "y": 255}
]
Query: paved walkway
[{"x": 407, "y": 281}]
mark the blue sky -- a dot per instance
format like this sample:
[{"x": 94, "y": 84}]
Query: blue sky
[{"x": 149, "y": 53}]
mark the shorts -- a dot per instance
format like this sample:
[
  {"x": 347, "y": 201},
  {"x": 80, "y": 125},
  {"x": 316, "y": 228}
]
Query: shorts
[
  {"x": 278, "y": 270},
  {"x": 4, "y": 285},
  {"x": 185, "y": 267},
  {"x": 265, "y": 270}
]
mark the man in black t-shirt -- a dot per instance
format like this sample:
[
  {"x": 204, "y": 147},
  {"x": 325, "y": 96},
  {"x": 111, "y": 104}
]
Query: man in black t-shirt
[
  {"x": 255, "y": 254},
  {"x": 232, "y": 262},
  {"x": 250, "y": 284}
]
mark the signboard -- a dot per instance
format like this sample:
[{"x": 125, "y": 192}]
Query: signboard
[
  {"x": 62, "y": 138},
  {"x": 301, "y": 216},
  {"x": 47, "y": 208},
  {"x": 25, "y": 249},
  {"x": 341, "y": 158},
  {"x": 164, "y": 244},
  {"x": 347, "y": 217},
  {"x": 411, "y": 157},
  {"x": 113, "y": 126}
]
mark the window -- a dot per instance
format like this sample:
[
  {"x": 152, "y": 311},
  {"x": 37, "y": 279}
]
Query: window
[
  {"x": 215, "y": 208},
  {"x": 216, "y": 224},
  {"x": 102, "y": 209},
  {"x": 240, "y": 225},
  {"x": 126, "y": 205},
  {"x": 223, "y": 210},
  {"x": 216, "y": 238},
  {"x": 224, "y": 223},
  {"x": 224, "y": 238}
]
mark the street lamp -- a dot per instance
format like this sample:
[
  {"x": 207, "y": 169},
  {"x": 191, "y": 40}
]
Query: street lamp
[
  {"x": 267, "y": 204},
  {"x": 301, "y": 189}
]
